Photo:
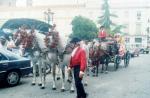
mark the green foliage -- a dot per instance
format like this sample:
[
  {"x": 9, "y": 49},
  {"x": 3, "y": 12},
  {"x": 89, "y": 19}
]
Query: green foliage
[
  {"x": 83, "y": 28},
  {"x": 105, "y": 18},
  {"x": 29, "y": 23}
]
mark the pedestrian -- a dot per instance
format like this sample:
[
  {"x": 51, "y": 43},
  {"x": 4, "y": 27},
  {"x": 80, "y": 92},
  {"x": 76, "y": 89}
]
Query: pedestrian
[
  {"x": 78, "y": 64},
  {"x": 3, "y": 43}
]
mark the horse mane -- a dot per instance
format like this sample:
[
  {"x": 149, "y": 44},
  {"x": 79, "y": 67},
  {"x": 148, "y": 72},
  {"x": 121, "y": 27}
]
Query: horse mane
[{"x": 40, "y": 38}]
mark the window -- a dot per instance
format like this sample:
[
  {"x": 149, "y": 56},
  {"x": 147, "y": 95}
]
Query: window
[
  {"x": 138, "y": 40},
  {"x": 29, "y": 2},
  {"x": 138, "y": 28},
  {"x": 127, "y": 40},
  {"x": 138, "y": 15}
]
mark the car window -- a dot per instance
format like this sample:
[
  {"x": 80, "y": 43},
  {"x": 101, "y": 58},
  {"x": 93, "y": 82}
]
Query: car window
[{"x": 2, "y": 57}]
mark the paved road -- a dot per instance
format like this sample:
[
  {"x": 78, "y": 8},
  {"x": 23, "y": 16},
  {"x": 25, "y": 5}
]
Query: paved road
[{"x": 131, "y": 82}]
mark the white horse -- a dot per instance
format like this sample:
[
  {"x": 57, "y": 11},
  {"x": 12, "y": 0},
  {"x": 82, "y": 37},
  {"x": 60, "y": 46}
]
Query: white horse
[
  {"x": 47, "y": 57},
  {"x": 36, "y": 60},
  {"x": 64, "y": 62},
  {"x": 86, "y": 47}
]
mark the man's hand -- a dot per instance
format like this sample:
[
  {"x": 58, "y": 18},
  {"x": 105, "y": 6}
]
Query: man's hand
[
  {"x": 69, "y": 70},
  {"x": 81, "y": 74}
]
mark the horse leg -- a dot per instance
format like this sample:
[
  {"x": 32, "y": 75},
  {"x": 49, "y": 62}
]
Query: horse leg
[
  {"x": 86, "y": 73},
  {"x": 94, "y": 70},
  {"x": 85, "y": 77},
  {"x": 97, "y": 66},
  {"x": 40, "y": 72},
  {"x": 102, "y": 68},
  {"x": 72, "y": 82},
  {"x": 34, "y": 73},
  {"x": 63, "y": 80},
  {"x": 106, "y": 70},
  {"x": 69, "y": 77},
  {"x": 54, "y": 76},
  {"x": 106, "y": 65},
  {"x": 58, "y": 74},
  {"x": 43, "y": 77}
]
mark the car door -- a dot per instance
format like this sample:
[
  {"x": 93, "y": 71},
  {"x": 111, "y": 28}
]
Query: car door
[{"x": 4, "y": 62}]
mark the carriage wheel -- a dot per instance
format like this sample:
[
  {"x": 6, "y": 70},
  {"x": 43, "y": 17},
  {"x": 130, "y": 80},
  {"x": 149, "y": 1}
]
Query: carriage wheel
[
  {"x": 127, "y": 59},
  {"x": 116, "y": 62}
]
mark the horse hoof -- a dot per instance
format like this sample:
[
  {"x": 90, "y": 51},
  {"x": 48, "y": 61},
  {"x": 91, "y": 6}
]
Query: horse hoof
[
  {"x": 85, "y": 84},
  {"x": 53, "y": 88},
  {"x": 43, "y": 87},
  {"x": 106, "y": 72},
  {"x": 33, "y": 84},
  {"x": 58, "y": 78},
  {"x": 69, "y": 81},
  {"x": 102, "y": 72},
  {"x": 62, "y": 90},
  {"x": 93, "y": 75},
  {"x": 40, "y": 84},
  {"x": 72, "y": 91}
]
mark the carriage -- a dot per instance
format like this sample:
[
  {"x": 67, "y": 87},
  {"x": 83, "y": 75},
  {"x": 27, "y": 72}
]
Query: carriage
[
  {"x": 116, "y": 52},
  {"x": 105, "y": 52}
]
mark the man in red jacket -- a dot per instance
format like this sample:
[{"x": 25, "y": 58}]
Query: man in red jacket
[
  {"x": 102, "y": 34},
  {"x": 78, "y": 63}
]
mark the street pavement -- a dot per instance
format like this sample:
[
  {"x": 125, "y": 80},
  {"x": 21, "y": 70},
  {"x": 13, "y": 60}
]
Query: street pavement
[{"x": 131, "y": 82}]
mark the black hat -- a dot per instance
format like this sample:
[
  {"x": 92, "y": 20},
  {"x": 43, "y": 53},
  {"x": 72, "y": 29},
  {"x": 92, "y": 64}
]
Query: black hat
[{"x": 75, "y": 40}]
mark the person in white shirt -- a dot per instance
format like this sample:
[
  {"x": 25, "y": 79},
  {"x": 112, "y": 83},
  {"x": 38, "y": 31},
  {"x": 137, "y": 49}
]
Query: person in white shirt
[
  {"x": 11, "y": 43},
  {"x": 3, "y": 42}
]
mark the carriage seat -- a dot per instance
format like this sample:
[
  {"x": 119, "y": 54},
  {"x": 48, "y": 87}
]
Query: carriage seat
[{"x": 110, "y": 46}]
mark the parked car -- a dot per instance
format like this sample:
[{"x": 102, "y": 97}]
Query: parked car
[
  {"x": 134, "y": 52},
  {"x": 144, "y": 50},
  {"x": 13, "y": 67}
]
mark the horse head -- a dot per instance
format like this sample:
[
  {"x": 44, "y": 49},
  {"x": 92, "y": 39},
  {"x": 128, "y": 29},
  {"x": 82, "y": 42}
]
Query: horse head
[{"x": 69, "y": 48}]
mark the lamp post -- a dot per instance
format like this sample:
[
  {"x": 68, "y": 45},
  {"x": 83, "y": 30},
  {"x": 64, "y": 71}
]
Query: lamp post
[
  {"x": 49, "y": 16},
  {"x": 148, "y": 28}
]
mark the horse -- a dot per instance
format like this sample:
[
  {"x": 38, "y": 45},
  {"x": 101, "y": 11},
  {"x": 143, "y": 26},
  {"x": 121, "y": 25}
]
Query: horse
[
  {"x": 37, "y": 55},
  {"x": 48, "y": 57},
  {"x": 86, "y": 46},
  {"x": 98, "y": 55},
  {"x": 36, "y": 60},
  {"x": 64, "y": 59},
  {"x": 111, "y": 49}
]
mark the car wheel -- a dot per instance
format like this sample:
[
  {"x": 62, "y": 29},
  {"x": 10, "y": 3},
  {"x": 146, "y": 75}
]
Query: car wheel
[
  {"x": 132, "y": 55},
  {"x": 12, "y": 78}
]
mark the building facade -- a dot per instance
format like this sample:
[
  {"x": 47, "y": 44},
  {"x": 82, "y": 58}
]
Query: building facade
[{"x": 134, "y": 14}]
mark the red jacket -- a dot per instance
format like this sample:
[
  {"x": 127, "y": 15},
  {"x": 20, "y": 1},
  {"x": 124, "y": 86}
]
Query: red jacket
[
  {"x": 79, "y": 59},
  {"x": 102, "y": 34}
]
